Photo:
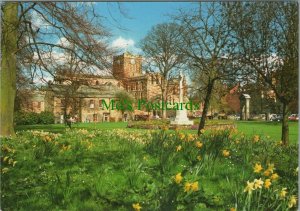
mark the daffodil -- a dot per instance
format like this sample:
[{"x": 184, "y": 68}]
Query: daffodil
[
  {"x": 194, "y": 186},
  {"x": 267, "y": 183},
  {"x": 187, "y": 187},
  {"x": 271, "y": 167},
  {"x": 258, "y": 183},
  {"x": 283, "y": 193},
  {"x": 165, "y": 128},
  {"x": 202, "y": 131},
  {"x": 267, "y": 172},
  {"x": 225, "y": 153},
  {"x": 178, "y": 148},
  {"x": 255, "y": 138},
  {"x": 250, "y": 187},
  {"x": 199, "y": 144},
  {"x": 232, "y": 209},
  {"x": 199, "y": 157},
  {"x": 190, "y": 137},
  {"x": 178, "y": 178},
  {"x": 136, "y": 207},
  {"x": 274, "y": 176},
  {"x": 10, "y": 161},
  {"x": 257, "y": 168},
  {"x": 5, "y": 158},
  {"x": 181, "y": 136},
  {"x": 4, "y": 170},
  {"x": 292, "y": 201}
]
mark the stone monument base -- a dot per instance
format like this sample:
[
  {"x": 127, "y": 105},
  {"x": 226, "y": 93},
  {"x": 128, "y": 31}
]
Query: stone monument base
[{"x": 181, "y": 118}]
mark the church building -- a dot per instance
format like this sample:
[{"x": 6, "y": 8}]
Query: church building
[{"x": 86, "y": 104}]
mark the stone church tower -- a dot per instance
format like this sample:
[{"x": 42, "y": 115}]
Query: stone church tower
[{"x": 127, "y": 66}]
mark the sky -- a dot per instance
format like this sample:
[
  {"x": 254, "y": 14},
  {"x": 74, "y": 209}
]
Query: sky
[{"x": 129, "y": 22}]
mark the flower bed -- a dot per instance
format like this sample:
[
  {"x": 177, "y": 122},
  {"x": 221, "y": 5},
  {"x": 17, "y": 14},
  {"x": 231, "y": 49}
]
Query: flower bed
[
  {"x": 147, "y": 170},
  {"x": 161, "y": 124}
]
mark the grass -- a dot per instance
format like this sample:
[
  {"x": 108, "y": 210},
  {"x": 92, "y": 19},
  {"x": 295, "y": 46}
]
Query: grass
[
  {"x": 272, "y": 129},
  {"x": 116, "y": 172},
  {"x": 60, "y": 128},
  {"x": 249, "y": 128}
]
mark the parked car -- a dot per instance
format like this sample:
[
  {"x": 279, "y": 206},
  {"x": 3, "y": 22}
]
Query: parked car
[
  {"x": 278, "y": 118},
  {"x": 258, "y": 117},
  {"x": 272, "y": 117},
  {"x": 294, "y": 117},
  {"x": 234, "y": 117}
]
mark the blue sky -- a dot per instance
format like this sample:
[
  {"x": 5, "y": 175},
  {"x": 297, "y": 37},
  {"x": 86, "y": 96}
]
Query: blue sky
[{"x": 139, "y": 17}]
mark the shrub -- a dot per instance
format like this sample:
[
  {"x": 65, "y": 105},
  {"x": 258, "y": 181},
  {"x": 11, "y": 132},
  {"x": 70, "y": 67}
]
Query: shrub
[
  {"x": 46, "y": 117},
  {"x": 32, "y": 118},
  {"x": 26, "y": 118}
]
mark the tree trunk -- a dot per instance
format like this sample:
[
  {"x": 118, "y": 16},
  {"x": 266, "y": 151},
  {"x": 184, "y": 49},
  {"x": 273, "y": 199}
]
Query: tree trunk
[
  {"x": 8, "y": 68},
  {"x": 206, "y": 106},
  {"x": 285, "y": 125},
  {"x": 164, "y": 98}
]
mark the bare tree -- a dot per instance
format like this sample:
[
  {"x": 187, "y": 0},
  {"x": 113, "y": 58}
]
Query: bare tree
[
  {"x": 43, "y": 30},
  {"x": 267, "y": 33},
  {"x": 160, "y": 47},
  {"x": 206, "y": 42}
]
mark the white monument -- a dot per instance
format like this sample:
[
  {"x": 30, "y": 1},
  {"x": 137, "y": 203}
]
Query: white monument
[
  {"x": 245, "y": 106},
  {"x": 181, "y": 115}
]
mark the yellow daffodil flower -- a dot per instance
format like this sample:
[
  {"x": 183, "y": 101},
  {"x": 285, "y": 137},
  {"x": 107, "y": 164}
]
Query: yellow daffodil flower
[
  {"x": 225, "y": 153},
  {"x": 271, "y": 167},
  {"x": 187, "y": 187},
  {"x": 232, "y": 209},
  {"x": 267, "y": 183},
  {"x": 283, "y": 193},
  {"x": 5, "y": 158},
  {"x": 194, "y": 186},
  {"x": 4, "y": 170},
  {"x": 257, "y": 168},
  {"x": 181, "y": 136},
  {"x": 267, "y": 173},
  {"x": 255, "y": 138},
  {"x": 250, "y": 187},
  {"x": 199, "y": 144},
  {"x": 178, "y": 178},
  {"x": 178, "y": 148},
  {"x": 274, "y": 176},
  {"x": 258, "y": 183},
  {"x": 190, "y": 137},
  {"x": 199, "y": 157},
  {"x": 136, "y": 207},
  {"x": 292, "y": 201}
]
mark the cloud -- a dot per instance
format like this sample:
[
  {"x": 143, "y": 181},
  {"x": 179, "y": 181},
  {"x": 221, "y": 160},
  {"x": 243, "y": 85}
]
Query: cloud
[
  {"x": 125, "y": 44},
  {"x": 122, "y": 43},
  {"x": 63, "y": 42}
]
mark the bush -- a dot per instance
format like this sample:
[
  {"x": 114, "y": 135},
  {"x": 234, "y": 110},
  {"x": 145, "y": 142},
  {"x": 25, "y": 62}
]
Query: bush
[
  {"x": 46, "y": 117},
  {"x": 32, "y": 118}
]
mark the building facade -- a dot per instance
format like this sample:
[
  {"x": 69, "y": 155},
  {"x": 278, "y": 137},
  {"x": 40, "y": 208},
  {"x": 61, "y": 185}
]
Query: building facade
[{"x": 82, "y": 96}]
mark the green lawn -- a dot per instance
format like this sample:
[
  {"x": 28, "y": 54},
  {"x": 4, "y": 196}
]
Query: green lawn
[
  {"x": 272, "y": 129},
  {"x": 250, "y": 128},
  {"x": 124, "y": 168}
]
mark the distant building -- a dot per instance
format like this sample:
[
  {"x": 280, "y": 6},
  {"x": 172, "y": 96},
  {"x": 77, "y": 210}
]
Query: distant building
[{"x": 127, "y": 75}]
